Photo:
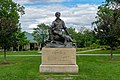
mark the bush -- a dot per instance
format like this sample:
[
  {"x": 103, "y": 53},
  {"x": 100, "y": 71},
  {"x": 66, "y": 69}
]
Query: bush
[
  {"x": 82, "y": 49},
  {"x": 94, "y": 45},
  {"x": 25, "y": 50},
  {"x": 108, "y": 48},
  {"x": 87, "y": 44},
  {"x": 36, "y": 48}
]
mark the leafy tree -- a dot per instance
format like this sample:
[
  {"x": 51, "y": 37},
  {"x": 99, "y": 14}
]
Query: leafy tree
[
  {"x": 80, "y": 39},
  {"x": 72, "y": 33},
  {"x": 83, "y": 38},
  {"x": 21, "y": 39},
  {"x": 107, "y": 25},
  {"x": 9, "y": 23},
  {"x": 88, "y": 37},
  {"x": 77, "y": 37},
  {"x": 40, "y": 33}
]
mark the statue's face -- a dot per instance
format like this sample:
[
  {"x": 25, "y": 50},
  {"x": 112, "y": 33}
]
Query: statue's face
[{"x": 57, "y": 14}]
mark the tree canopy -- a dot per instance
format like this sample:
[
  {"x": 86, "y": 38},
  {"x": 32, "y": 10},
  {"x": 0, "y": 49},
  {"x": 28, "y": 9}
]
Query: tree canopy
[
  {"x": 40, "y": 33},
  {"x": 107, "y": 25},
  {"x": 82, "y": 38},
  {"x": 9, "y": 22}
]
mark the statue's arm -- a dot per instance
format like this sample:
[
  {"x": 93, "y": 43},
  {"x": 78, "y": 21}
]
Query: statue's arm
[{"x": 65, "y": 28}]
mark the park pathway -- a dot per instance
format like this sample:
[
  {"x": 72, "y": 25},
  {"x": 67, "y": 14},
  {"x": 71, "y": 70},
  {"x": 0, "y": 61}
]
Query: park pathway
[
  {"x": 77, "y": 54},
  {"x": 88, "y": 50}
]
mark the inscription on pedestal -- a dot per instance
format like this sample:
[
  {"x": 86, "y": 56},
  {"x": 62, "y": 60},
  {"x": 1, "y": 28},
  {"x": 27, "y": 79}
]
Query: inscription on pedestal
[{"x": 51, "y": 56}]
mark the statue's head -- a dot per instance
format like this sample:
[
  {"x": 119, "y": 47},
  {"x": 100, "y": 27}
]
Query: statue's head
[{"x": 57, "y": 14}]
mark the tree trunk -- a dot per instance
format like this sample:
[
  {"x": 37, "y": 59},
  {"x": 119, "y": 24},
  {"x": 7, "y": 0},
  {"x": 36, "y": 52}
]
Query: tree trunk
[
  {"x": 12, "y": 49},
  {"x": 111, "y": 54},
  {"x": 21, "y": 48},
  {"x": 5, "y": 55},
  {"x": 18, "y": 48},
  {"x": 39, "y": 46}
]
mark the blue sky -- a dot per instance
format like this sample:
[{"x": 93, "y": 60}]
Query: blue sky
[
  {"x": 75, "y": 13},
  {"x": 68, "y": 3}
]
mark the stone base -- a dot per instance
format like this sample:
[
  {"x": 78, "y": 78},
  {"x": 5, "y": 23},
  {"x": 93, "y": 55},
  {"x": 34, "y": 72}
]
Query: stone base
[
  {"x": 58, "y": 68},
  {"x": 58, "y": 56},
  {"x": 58, "y": 60}
]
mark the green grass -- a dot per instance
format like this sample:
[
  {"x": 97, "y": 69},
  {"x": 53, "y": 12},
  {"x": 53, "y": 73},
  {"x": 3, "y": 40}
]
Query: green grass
[
  {"x": 101, "y": 52},
  {"x": 83, "y": 49},
  {"x": 20, "y": 52},
  {"x": 90, "y": 68},
  {"x": 38, "y": 52}
]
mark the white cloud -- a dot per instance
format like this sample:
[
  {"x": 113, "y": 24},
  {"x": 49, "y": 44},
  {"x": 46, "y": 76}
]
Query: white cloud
[
  {"x": 22, "y": 1},
  {"x": 33, "y": 26},
  {"x": 48, "y": 1},
  {"x": 78, "y": 16},
  {"x": 34, "y": 1}
]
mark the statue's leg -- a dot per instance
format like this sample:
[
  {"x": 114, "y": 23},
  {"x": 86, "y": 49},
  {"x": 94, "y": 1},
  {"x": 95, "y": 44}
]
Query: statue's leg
[{"x": 65, "y": 42}]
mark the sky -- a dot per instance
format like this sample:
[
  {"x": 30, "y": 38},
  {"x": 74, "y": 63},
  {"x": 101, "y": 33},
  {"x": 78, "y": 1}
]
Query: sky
[{"x": 75, "y": 13}]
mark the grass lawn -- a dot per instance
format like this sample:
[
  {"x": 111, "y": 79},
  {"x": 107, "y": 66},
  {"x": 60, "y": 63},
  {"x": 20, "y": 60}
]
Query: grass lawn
[
  {"x": 90, "y": 68},
  {"x": 101, "y": 52},
  {"x": 39, "y": 52},
  {"x": 20, "y": 52}
]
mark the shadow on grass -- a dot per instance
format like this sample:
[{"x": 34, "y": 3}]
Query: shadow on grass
[
  {"x": 7, "y": 63},
  {"x": 112, "y": 60}
]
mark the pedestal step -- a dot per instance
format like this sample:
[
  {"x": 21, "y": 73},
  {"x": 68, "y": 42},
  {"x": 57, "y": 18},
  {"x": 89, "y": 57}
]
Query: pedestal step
[{"x": 58, "y": 68}]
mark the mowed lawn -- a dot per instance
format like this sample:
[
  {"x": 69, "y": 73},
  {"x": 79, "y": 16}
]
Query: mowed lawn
[
  {"x": 90, "y": 68},
  {"x": 78, "y": 52},
  {"x": 21, "y": 52},
  {"x": 100, "y": 52}
]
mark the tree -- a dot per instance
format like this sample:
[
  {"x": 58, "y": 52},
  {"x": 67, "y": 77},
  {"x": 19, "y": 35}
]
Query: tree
[
  {"x": 77, "y": 37},
  {"x": 83, "y": 38},
  {"x": 107, "y": 25},
  {"x": 21, "y": 39},
  {"x": 9, "y": 23},
  {"x": 40, "y": 33},
  {"x": 88, "y": 38},
  {"x": 72, "y": 33}
]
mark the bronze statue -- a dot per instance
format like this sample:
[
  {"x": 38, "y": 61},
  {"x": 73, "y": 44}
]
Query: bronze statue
[{"x": 58, "y": 37}]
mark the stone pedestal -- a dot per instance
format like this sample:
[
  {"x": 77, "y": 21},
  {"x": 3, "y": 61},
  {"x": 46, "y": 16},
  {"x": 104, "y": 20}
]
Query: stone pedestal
[{"x": 58, "y": 60}]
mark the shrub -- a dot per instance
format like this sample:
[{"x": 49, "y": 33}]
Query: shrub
[
  {"x": 82, "y": 49},
  {"x": 36, "y": 48}
]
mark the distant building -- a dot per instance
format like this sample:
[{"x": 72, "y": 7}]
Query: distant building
[{"x": 33, "y": 44}]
